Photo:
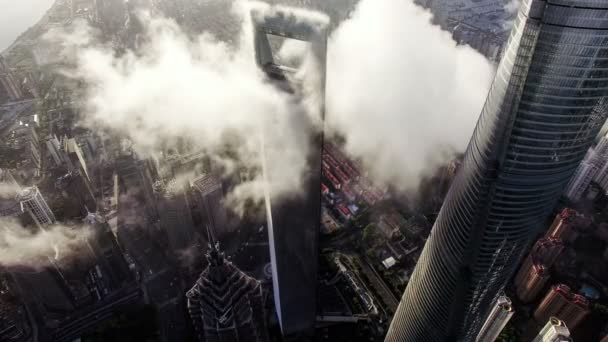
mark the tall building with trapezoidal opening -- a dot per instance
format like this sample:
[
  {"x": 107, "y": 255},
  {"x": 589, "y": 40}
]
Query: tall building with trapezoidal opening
[
  {"x": 294, "y": 221},
  {"x": 544, "y": 109}
]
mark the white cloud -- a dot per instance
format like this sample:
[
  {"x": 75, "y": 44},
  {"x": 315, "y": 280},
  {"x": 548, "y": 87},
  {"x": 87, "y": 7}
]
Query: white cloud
[
  {"x": 199, "y": 89},
  {"x": 22, "y": 247},
  {"x": 512, "y": 6},
  {"x": 401, "y": 91}
]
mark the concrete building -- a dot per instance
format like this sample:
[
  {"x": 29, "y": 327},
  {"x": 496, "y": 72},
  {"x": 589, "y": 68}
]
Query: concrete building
[
  {"x": 497, "y": 319},
  {"x": 560, "y": 302},
  {"x": 33, "y": 202},
  {"x": 176, "y": 217},
  {"x": 23, "y": 140},
  {"x": 583, "y": 176},
  {"x": 594, "y": 167},
  {"x": 9, "y": 205},
  {"x": 9, "y": 86},
  {"x": 554, "y": 331},
  {"x": 55, "y": 150},
  {"x": 77, "y": 193},
  {"x": 210, "y": 197},
  {"x": 226, "y": 305},
  {"x": 293, "y": 223},
  {"x": 531, "y": 136},
  {"x": 109, "y": 256}
]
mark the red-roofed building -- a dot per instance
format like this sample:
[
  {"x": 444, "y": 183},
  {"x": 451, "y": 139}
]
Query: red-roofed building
[
  {"x": 344, "y": 212},
  {"x": 324, "y": 189}
]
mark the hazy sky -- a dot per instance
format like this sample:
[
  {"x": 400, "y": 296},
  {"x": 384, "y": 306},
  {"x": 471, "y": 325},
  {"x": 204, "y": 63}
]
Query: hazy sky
[{"x": 17, "y": 16}]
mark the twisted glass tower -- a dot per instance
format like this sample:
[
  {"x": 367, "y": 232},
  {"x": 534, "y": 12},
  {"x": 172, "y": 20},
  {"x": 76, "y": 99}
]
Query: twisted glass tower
[{"x": 546, "y": 105}]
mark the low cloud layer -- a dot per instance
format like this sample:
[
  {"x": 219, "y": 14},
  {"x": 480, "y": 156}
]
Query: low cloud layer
[
  {"x": 401, "y": 92},
  {"x": 22, "y": 247},
  {"x": 200, "y": 90}
]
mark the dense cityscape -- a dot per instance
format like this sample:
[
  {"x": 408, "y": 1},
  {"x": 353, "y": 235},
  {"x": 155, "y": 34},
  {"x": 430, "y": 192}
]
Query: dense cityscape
[{"x": 234, "y": 170}]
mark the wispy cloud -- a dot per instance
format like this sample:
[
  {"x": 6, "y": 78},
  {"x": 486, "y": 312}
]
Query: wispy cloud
[{"x": 20, "y": 246}]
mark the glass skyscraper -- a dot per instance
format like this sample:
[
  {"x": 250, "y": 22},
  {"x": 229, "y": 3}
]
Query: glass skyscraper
[
  {"x": 294, "y": 221},
  {"x": 545, "y": 107}
]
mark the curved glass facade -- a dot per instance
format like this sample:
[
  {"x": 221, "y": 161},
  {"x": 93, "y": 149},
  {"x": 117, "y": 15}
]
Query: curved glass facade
[{"x": 546, "y": 105}]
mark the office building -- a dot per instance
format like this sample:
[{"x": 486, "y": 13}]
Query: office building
[
  {"x": 55, "y": 150},
  {"x": 9, "y": 86},
  {"x": 108, "y": 254},
  {"x": 23, "y": 140},
  {"x": 9, "y": 205},
  {"x": 176, "y": 217},
  {"x": 497, "y": 319},
  {"x": 75, "y": 156},
  {"x": 560, "y": 302},
  {"x": 77, "y": 193},
  {"x": 210, "y": 197},
  {"x": 293, "y": 222},
  {"x": 32, "y": 202},
  {"x": 554, "y": 331},
  {"x": 226, "y": 305},
  {"x": 582, "y": 177},
  {"x": 543, "y": 112},
  {"x": 594, "y": 167}
]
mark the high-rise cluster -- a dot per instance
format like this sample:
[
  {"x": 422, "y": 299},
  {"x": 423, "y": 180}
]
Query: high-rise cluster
[{"x": 544, "y": 110}]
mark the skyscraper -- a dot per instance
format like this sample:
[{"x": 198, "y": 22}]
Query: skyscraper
[
  {"x": 563, "y": 304},
  {"x": 9, "y": 205},
  {"x": 209, "y": 197},
  {"x": 176, "y": 217},
  {"x": 32, "y": 201},
  {"x": 544, "y": 109},
  {"x": 9, "y": 87},
  {"x": 225, "y": 304},
  {"x": 594, "y": 167},
  {"x": 554, "y": 331},
  {"x": 293, "y": 222},
  {"x": 501, "y": 313}
]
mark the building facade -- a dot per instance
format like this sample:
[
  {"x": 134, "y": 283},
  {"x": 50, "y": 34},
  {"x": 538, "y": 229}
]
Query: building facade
[
  {"x": 225, "y": 304},
  {"x": 544, "y": 110},
  {"x": 497, "y": 319}
]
